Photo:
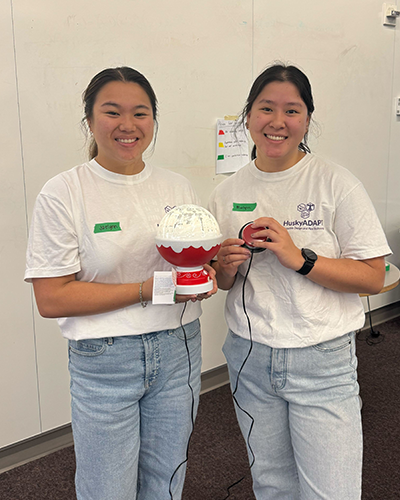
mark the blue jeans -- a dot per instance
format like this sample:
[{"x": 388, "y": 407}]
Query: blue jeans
[
  {"x": 132, "y": 413},
  {"x": 307, "y": 437}
]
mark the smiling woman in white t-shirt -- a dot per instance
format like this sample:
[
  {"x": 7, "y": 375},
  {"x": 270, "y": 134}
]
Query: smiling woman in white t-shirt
[
  {"x": 91, "y": 258},
  {"x": 292, "y": 359}
]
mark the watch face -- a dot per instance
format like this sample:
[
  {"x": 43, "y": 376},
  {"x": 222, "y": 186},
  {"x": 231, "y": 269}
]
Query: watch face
[{"x": 309, "y": 254}]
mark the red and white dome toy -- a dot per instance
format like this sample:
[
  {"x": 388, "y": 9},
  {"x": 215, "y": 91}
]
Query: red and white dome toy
[{"x": 188, "y": 237}]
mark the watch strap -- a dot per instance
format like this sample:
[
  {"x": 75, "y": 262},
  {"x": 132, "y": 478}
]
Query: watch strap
[
  {"x": 309, "y": 260},
  {"x": 306, "y": 267}
]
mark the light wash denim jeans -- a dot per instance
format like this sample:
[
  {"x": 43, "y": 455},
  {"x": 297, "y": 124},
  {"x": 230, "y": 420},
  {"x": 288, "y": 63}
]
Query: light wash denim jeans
[
  {"x": 307, "y": 437},
  {"x": 131, "y": 413}
]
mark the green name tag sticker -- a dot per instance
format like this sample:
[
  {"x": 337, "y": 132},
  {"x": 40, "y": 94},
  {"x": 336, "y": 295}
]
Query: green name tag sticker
[
  {"x": 107, "y": 227},
  {"x": 244, "y": 207}
]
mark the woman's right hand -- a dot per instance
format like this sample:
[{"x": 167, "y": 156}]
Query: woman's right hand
[
  {"x": 229, "y": 258},
  {"x": 231, "y": 255}
]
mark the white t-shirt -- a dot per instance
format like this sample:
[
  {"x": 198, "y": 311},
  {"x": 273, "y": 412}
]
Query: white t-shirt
[
  {"x": 324, "y": 208},
  {"x": 102, "y": 225}
]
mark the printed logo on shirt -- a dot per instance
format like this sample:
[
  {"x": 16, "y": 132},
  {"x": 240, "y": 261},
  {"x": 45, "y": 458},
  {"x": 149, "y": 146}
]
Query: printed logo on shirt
[
  {"x": 305, "y": 210},
  {"x": 244, "y": 207},
  {"x": 107, "y": 227}
]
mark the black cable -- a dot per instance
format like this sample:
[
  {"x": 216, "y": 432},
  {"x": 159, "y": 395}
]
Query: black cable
[
  {"x": 192, "y": 409},
  {"x": 237, "y": 381},
  {"x": 373, "y": 337},
  {"x": 233, "y": 393}
]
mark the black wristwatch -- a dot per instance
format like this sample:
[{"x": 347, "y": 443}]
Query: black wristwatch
[{"x": 309, "y": 260}]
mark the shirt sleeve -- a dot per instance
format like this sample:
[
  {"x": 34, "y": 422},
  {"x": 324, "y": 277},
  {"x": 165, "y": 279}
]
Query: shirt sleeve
[
  {"x": 53, "y": 243},
  {"x": 358, "y": 228}
]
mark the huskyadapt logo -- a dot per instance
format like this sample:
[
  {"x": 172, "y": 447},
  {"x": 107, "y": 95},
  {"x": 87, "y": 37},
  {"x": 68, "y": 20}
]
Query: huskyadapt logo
[{"x": 305, "y": 210}]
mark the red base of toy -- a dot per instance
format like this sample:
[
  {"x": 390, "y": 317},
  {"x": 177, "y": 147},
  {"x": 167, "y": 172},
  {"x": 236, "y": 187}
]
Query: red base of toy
[{"x": 192, "y": 281}]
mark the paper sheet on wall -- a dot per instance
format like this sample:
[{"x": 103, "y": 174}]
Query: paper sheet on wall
[{"x": 232, "y": 147}]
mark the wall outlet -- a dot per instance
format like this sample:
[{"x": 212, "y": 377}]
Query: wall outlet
[{"x": 389, "y": 14}]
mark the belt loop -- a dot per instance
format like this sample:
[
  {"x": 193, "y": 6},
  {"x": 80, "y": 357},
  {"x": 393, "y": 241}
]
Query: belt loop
[{"x": 110, "y": 340}]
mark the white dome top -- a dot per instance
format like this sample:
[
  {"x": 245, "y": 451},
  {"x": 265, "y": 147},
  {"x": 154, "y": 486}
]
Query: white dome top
[{"x": 188, "y": 222}]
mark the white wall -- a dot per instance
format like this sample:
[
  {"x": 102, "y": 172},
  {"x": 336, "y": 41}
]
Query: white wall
[
  {"x": 18, "y": 394},
  {"x": 201, "y": 58}
]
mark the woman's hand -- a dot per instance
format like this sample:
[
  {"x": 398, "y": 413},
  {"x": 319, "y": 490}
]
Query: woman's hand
[
  {"x": 277, "y": 241},
  {"x": 213, "y": 275},
  {"x": 229, "y": 258},
  {"x": 231, "y": 255}
]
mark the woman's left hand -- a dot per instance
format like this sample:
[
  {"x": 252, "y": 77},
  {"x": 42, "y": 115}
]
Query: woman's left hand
[
  {"x": 201, "y": 296},
  {"x": 278, "y": 241}
]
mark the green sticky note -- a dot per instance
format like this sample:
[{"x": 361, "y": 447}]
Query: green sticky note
[
  {"x": 107, "y": 227},
  {"x": 244, "y": 207}
]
